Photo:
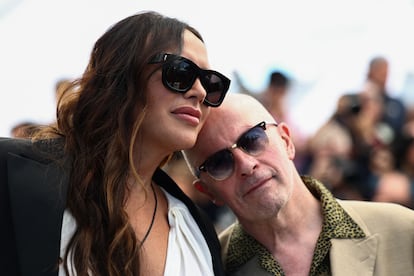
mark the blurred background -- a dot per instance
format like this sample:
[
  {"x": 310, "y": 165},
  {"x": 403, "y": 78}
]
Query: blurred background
[
  {"x": 306, "y": 61},
  {"x": 323, "y": 46}
]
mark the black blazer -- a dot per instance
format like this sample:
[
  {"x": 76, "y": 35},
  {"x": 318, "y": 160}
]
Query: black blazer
[{"x": 33, "y": 189}]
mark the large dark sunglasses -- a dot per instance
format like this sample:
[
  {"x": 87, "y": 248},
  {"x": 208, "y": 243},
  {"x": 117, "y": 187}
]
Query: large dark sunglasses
[
  {"x": 220, "y": 165},
  {"x": 179, "y": 75}
]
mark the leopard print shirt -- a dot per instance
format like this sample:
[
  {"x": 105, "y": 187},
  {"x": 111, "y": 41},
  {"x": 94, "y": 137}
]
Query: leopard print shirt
[{"x": 337, "y": 224}]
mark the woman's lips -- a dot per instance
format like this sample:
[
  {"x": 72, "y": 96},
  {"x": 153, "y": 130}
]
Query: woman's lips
[{"x": 188, "y": 114}]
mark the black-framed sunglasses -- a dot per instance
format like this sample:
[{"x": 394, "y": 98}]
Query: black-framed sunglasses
[
  {"x": 180, "y": 73},
  {"x": 220, "y": 165}
]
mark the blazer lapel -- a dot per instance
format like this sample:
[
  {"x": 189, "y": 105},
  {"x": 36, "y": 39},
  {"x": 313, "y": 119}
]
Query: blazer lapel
[
  {"x": 353, "y": 256},
  {"x": 37, "y": 201}
]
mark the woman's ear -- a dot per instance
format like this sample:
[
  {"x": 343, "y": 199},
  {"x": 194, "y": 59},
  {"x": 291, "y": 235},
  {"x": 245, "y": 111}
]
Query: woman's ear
[{"x": 201, "y": 187}]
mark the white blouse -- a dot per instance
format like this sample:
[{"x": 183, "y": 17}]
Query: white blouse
[{"x": 187, "y": 252}]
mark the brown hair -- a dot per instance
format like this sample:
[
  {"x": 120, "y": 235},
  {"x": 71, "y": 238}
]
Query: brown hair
[{"x": 99, "y": 121}]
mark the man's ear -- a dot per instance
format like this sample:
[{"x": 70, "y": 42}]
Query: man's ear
[
  {"x": 286, "y": 136},
  {"x": 201, "y": 187}
]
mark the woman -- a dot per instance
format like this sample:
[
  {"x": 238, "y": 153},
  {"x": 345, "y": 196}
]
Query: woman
[{"x": 142, "y": 97}]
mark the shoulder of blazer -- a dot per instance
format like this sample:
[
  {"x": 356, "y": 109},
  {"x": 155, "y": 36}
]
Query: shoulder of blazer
[
  {"x": 373, "y": 216},
  {"x": 33, "y": 186},
  {"x": 41, "y": 150}
]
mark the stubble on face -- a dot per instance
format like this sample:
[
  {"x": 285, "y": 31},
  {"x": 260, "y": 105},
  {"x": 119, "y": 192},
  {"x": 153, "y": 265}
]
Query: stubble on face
[{"x": 264, "y": 202}]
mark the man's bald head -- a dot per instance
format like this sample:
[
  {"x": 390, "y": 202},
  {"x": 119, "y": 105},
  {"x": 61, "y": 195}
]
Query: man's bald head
[
  {"x": 237, "y": 111},
  {"x": 238, "y": 105}
]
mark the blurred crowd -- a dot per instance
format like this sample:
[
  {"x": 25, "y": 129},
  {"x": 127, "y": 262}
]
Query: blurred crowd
[{"x": 364, "y": 151}]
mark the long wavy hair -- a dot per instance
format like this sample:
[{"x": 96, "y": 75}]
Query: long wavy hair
[{"x": 99, "y": 117}]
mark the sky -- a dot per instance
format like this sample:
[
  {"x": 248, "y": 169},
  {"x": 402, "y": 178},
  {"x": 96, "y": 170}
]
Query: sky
[{"x": 323, "y": 45}]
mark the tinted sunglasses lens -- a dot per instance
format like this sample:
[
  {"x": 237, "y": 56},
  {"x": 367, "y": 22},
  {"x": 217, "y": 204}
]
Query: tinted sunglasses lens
[
  {"x": 215, "y": 87},
  {"x": 220, "y": 165},
  {"x": 179, "y": 75},
  {"x": 254, "y": 141}
]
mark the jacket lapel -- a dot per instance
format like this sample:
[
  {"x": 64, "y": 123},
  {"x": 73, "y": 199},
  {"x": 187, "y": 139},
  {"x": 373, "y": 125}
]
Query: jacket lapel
[
  {"x": 37, "y": 201},
  {"x": 202, "y": 220},
  {"x": 353, "y": 256}
]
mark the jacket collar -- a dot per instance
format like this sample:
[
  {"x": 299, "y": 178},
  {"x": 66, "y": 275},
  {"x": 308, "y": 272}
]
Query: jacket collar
[{"x": 361, "y": 253}]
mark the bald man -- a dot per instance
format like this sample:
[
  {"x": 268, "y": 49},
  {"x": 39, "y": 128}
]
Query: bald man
[{"x": 288, "y": 224}]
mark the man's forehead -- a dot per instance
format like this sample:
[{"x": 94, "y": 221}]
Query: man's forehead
[{"x": 237, "y": 116}]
